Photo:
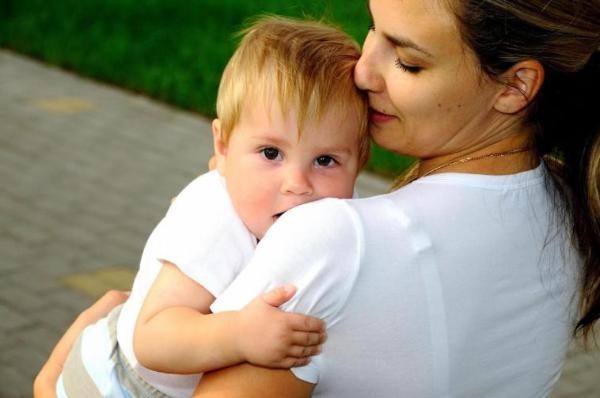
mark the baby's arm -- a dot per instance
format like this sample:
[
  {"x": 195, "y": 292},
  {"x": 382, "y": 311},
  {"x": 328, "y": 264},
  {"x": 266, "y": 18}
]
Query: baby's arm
[{"x": 176, "y": 333}]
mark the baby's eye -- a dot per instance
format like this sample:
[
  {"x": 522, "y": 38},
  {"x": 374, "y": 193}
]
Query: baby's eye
[
  {"x": 325, "y": 161},
  {"x": 271, "y": 153}
]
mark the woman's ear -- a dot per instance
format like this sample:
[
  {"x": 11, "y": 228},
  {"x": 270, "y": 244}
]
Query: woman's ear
[
  {"x": 220, "y": 147},
  {"x": 523, "y": 81}
]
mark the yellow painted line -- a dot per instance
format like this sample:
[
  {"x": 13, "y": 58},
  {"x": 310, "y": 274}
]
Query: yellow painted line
[
  {"x": 95, "y": 283},
  {"x": 64, "y": 105}
]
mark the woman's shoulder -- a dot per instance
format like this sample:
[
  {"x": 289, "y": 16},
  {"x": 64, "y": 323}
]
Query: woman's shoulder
[
  {"x": 318, "y": 235},
  {"x": 456, "y": 191},
  {"x": 329, "y": 218},
  {"x": 344, "y": 219}
]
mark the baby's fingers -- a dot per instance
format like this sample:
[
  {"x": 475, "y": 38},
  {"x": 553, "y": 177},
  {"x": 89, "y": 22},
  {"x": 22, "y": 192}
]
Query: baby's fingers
[
  {"x": 299, "y": 351},
  {"x": 292, "y": 362},
  {"x": 305, "y": 323},
  {"x": 308, "y": 339}
]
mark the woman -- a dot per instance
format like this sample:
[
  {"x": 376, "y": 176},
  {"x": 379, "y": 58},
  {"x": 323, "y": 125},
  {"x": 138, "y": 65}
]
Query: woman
[{"x": 470, "y": 279}]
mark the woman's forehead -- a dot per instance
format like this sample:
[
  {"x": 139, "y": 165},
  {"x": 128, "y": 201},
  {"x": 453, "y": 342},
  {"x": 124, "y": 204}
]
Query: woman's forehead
[
  {"x": 435, "y": 8},
  {"x": 430, "y": 24}
]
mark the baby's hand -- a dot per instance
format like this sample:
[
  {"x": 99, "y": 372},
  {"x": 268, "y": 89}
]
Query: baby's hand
[{"x": 274, "y": 338}]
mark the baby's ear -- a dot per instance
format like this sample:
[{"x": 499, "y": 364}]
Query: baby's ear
[
  {"x": 523, "y": 81},
  {"x": 219, "y": 146}
]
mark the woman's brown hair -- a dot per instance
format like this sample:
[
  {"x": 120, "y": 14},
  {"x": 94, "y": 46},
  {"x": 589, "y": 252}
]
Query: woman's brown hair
[{"x": 564, "y": 36}]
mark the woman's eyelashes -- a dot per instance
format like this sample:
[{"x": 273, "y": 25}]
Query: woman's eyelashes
[
  {"x": 398, "y": 62},
  {"x": 406, "y": 67}
]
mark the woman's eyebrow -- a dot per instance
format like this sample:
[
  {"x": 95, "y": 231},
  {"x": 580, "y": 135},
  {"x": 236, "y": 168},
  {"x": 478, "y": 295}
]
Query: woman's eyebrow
[
  {"x": 399, "y": 41},
  {"x": 406, "y": 43}
]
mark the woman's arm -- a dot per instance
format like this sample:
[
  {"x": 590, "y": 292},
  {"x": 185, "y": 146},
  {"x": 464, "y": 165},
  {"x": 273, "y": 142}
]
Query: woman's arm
[
  {"x": 249, "y": 381},
  {"x": 44, "y": 385},
  {"x": 316, "y": 247}
]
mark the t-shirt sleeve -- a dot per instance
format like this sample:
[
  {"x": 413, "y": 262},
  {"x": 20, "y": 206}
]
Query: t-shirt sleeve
[
  {"x": 316, "y": 247},
  {"x": 203, "y": 236}
]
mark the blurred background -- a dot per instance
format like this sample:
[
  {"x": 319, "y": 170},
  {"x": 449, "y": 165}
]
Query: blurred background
[{"x": 104, "y": 116}]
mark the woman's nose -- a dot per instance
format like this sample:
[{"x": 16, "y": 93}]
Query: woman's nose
[{"x": 366, "y": 75}]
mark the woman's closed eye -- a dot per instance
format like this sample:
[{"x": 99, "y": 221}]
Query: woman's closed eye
[
  {"x": 271, "y": 153},
  {"x": 325, "y": 161},
  {"x": 407, "y": 67}
]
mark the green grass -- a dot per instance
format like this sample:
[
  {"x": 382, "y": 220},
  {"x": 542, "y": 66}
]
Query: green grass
[{"x": 172, "y": 50}]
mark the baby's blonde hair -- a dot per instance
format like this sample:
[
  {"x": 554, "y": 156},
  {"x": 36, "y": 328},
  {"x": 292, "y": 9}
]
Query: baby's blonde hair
[{"x": 305, "y": 64}]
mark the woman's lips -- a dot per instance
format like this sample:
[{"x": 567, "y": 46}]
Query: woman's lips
[{"x": 379, "y": 117}]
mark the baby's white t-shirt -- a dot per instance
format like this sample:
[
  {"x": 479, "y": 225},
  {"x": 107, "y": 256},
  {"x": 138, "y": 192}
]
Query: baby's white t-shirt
[
  {"x": 457, "y": 285},
  {"x": 203, "y": 235}
]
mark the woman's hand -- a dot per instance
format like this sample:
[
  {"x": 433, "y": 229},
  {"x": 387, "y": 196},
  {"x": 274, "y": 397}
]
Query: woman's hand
[
  {"x": 274, "y": 338},
  {"x": 44, "y": 385}
]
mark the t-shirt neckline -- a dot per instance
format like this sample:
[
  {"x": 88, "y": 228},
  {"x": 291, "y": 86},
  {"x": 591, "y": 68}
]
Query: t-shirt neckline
[{"x": 524, "y": 178}]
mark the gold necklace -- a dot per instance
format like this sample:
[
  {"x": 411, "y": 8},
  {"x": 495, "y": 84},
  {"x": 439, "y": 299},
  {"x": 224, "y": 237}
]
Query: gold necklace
[
  {"x": 472, "y": 158},
  {"x": 412, "y": 173}
]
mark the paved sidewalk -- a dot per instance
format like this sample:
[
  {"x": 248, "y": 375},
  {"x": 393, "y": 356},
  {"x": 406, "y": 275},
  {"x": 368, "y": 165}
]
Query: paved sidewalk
[{"x": 87, "y": 170}]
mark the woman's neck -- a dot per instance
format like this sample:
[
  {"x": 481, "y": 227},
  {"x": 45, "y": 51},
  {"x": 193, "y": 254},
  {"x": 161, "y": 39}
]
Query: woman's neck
[{"x": 509, "y": 155}]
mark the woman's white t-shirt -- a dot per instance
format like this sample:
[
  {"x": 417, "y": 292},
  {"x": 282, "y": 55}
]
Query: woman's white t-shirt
[{"x": 457, "y": 285}]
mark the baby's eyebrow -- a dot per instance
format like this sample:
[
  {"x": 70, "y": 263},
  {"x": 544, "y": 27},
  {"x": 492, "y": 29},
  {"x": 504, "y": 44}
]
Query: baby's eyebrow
[
  {"x": 337, "y": 150},
  {"x": 269, "y": 137}
]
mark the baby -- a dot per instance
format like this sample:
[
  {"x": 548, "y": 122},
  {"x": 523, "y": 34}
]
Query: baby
[{"x": 291, "y": 129}]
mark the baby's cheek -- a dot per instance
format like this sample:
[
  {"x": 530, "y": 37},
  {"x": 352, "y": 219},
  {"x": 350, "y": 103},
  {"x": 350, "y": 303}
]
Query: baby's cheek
[{"x": 342, "y": 189}]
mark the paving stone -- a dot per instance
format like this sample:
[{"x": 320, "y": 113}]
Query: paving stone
[
  {"x": 55, "y": 318},
  {"x": 95, "y": 283},
  {"x": 71, "y": 300},
  {"x": 11, "y": 250},
  {"x": 27, "y": 232},
  {"x": 40, "y": 338},
  {"x": 12, "y": 319},
  {"x": 21, "y": 300},
  {"x": 111, "y": 255},
  {"x": 13, "y": 384},
  {"x": 7, "y": 266},
  {"x": 25, "y": 359},
  {"x": 38, "y": 282}
]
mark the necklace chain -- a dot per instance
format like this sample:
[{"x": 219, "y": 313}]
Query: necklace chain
[{"x": 472, "y": 158}]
